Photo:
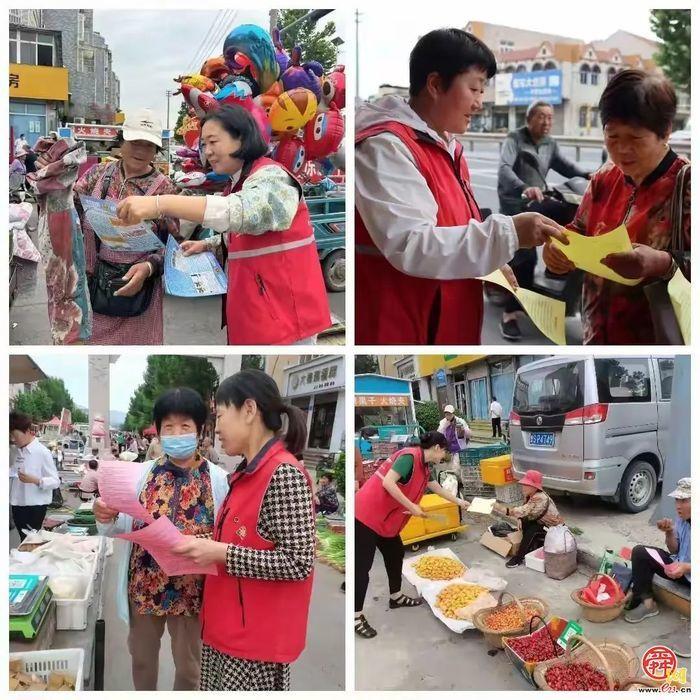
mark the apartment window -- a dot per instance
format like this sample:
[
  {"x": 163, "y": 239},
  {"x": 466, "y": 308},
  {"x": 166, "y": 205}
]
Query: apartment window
[
  {"x": 88, "y": 61},
  {"x": 81, "y": 26},
  {"x": 595, "y": 73},
  {"x": 584, "y": 73},
  {"x": 31, "y": 48}
]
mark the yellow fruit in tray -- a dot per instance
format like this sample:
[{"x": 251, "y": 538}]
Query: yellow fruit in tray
[
  {"x": 456, "y": 596},
  {"x": 438, "y": 568}
]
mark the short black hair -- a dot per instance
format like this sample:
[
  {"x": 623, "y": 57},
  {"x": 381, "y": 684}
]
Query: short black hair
[
  {"x": 20, "y": 421},
  {"x": 433, "y": 438},
  {"x": 240, "y": 124},
  {"x": 639, "y": 99},
  {"x": 92, "y": 464},
  {"x": 447, "y": 52},
  {"x": 181, "y": 401}
]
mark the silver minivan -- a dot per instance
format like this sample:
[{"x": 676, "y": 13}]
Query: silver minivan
[{"x": 596, "y": 425}]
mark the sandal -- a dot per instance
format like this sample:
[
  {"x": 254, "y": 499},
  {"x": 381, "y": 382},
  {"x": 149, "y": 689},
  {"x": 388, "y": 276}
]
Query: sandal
[
  {"x": 404, "y": 601},
  {"x": 363, "y": 628}
]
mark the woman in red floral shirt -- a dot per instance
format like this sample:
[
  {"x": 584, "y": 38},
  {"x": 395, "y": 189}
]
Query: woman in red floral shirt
[{"x": 634, "y": 188}]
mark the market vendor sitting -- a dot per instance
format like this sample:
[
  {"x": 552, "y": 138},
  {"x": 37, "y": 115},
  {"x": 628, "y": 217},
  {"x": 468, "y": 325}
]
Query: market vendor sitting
[
  {"x": 537, "y": 513},
  {"x": 676, "y": 561},
  {"x": 88, "y": 485}
]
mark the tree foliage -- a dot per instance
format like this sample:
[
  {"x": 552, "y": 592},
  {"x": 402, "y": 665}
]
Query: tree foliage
[
  {"x": 182, "y": 113},
  {"x": 366, "y": 364},
  {"x": 253, "y": 362},
  {"x": 315, "y": 42},
  {"x": 673, "y": 28},
  {"x": 166, "y": 372},
  {"x": 46, "y": 400}
]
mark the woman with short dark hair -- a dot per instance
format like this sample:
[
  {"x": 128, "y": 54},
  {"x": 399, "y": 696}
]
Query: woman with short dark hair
[
  {"x": 255, "y": 611},
  {"x": 276, "y": 290},
  {"x": 383, "y": 506},
  {"x": 183, "y": 486},
  {"x": 636, "y": 187}
]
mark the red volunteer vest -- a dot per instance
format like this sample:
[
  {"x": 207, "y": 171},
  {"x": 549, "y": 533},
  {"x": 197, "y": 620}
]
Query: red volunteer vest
[
  {"x": 276, "y": 291},
  {"x": 393, "y": 308},
  {"x": 376, "y": 508},
  {"x": 245, "y": 617}
]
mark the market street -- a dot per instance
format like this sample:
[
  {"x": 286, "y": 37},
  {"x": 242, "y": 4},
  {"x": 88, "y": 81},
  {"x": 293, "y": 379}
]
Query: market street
[
  {"x": 414, "y": 650},
  {"x": 186, "y": 321}
]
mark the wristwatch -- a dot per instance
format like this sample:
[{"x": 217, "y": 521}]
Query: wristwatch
[{"x": 673, "y": 268}]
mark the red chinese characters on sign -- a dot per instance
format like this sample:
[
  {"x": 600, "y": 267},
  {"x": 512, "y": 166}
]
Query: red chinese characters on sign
[
  {"x": 93, "y": 131},
  {"x": 659, "y": 662}
]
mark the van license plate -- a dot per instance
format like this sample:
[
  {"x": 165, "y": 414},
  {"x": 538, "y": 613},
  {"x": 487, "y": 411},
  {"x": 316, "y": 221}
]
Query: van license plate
[{"x": 541, "y": 439}]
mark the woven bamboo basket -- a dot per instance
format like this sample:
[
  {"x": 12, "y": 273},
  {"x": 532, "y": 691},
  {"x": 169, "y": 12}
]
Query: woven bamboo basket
[
  {"x": 494, "y": 639},
  {"x": 638, "y": 683},
  {"x": 596, "y": 613},
  {"x": 617, "y": 661}
]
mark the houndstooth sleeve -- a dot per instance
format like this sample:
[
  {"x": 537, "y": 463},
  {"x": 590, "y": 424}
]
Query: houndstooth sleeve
[{"x": 287, "y": 519}]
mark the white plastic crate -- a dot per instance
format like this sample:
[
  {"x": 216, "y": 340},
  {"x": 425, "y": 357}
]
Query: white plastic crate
[
  {"x": 72, "y": 613},
  {"x": 533, "y": 561},
  {"x": 42, "y": 663}
]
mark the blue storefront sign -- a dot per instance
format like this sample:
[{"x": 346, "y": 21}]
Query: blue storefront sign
[
  {"x": 441, "y": 377},
  {"x": 524, "y": 88}
]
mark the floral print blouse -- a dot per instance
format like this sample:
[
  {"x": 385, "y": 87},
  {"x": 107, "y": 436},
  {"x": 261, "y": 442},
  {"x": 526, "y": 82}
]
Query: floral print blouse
[
  {"x": 185, "y": 496},
  {"x": 615, "y": 314}
]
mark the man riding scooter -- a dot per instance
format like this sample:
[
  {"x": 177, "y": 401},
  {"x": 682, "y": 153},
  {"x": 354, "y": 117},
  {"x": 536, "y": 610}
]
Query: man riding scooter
[{"x": 528, "y": 154}]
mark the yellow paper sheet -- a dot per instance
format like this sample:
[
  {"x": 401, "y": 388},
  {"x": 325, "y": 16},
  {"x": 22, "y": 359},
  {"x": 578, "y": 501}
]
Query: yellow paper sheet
[
  {"x": 586, "y": 252},
  {"x": 679, "y": 291},
  {"x": 548, "y": 314}
]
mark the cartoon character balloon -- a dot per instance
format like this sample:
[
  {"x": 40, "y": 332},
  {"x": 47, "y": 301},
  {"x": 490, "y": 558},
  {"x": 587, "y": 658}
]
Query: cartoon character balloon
[
  {"x": 291, "y": 153},
  {"x": 201, "y": 102},
  {"x": 303, "y": 76},
  {"x": 281, "y": 54},
  {"x": 249, "y": 51},
  {"x": 201, "y": 82},
  {"x": 265, "y": 100},
  {"x": 324, "y": 134},
  {"x": 291, "y": 110},
  {"x": 333, "y": 88},
  {"x": 215, "y": 68}
]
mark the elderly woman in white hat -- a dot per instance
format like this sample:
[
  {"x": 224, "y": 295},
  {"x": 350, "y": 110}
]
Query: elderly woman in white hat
[
  {"x": 457, "y": 432},
  {"x": 125, "y": 286},
  {"x": 647, "y": 561}
]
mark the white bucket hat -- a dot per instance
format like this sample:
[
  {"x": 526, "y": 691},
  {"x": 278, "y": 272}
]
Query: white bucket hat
[
  {"x": 143, "y": 125},
  {"x": 449, "y": 408}
]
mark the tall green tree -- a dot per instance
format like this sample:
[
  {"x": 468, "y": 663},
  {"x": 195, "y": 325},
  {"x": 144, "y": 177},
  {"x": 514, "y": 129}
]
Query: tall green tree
[
  {"x": 366, "y": 364},
  {"x": 47, "y": 399},
  {"x": 315, "y": 42},
  {"x": 673, "y": 28},
  {"x": 182, "y": 113},
  {"x": 166, "y": 372}
]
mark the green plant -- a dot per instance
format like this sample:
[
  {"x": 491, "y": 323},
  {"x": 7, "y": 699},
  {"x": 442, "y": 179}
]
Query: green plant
[{"x": 339, "y": 472}]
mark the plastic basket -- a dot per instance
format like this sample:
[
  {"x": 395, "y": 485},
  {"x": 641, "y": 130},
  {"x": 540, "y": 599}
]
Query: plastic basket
[
  {"x": 72, "y": 613},
  {"x": 42, "y": 663}
]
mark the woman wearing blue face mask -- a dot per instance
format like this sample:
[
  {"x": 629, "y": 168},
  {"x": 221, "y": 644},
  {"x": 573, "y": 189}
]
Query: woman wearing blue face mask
[{"x": 186, "y": 488}]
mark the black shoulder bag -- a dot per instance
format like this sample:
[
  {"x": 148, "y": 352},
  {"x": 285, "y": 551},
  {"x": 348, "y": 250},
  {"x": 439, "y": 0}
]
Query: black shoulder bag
[
  {"x": 666, "y": 328},
  {"x": 103, "y": 282}
]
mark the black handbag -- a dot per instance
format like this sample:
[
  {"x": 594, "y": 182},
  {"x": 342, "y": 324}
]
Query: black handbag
[
  {"x": 667, "y": 330},
  {"x": 102, "y": 291},
  {"x": 101, "y": 284}
]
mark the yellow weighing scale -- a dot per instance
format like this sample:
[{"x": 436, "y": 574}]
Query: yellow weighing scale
[{"x": 443, "y": 519}]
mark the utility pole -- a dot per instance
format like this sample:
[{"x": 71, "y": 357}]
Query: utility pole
[{"x": 168, "y": 95}]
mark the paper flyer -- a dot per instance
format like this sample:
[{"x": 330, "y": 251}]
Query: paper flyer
[
  {"x": 586, "y": 252},
  {"x": 679, "y": 291},
  {"x": 197, "y": 275},
  {"x": 101, "y": 214},
  {"x": 117, "y": 483},
  {"x": 548, "y": 314}
]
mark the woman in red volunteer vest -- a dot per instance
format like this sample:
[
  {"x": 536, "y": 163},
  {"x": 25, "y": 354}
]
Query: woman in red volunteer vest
[
  {"x": 419, "y": 235},
  {"x": 255, "y": 611},
  {"x": 383, "y": 506},
  {"x": 276, "y": 294}
]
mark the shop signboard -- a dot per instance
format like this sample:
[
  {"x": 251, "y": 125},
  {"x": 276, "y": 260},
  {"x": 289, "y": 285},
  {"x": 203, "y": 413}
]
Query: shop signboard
[
  {"x": 316, "y": 377},
  {"x": 527, "y": 87},
  {"x": 38, "y": 82},
  {"x": 381, "y": 400},
  {"x": 94, "y": 132}
]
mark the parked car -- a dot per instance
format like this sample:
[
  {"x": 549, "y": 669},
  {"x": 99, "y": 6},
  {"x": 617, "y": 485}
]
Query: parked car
[{"x": 595, "y": 425}]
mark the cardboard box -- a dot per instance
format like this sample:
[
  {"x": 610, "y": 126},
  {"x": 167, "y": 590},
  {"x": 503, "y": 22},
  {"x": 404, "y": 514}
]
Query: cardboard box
[{"x": 505, "y": 546}]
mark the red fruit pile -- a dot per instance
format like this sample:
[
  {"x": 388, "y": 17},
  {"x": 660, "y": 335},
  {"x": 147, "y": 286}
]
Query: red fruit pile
[
  {"x": 535, "y": 647},
  {"x": 576, "y": 677}
]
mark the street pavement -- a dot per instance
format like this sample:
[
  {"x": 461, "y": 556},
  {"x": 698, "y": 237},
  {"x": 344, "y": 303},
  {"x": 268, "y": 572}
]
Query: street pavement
[
  {"x": 483, "y": 168},
  {"x": 185, "y": 321},
  {"x": 320, "y": 667},
  {"x": 415, "y": 651}
]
